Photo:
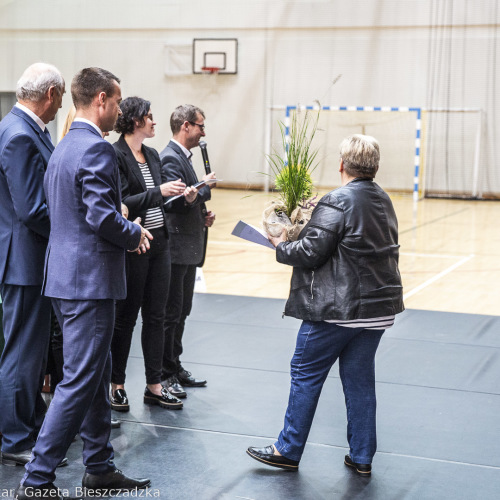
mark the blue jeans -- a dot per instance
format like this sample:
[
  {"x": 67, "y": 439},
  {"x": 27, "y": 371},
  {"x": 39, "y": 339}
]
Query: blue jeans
[{"x": 319, "y": 344}]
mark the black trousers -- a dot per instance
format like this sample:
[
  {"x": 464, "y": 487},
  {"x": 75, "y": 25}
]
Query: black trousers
[
  {"x": 148, "y": 277},
  {"x": 179, "y": 304}
]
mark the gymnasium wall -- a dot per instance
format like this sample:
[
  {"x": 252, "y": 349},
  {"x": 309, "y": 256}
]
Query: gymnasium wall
[{"x": 423, "y": 53}]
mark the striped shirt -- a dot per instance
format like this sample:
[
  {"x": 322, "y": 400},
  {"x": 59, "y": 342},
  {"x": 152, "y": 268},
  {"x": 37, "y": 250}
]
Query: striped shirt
[
  {"x": 154, "y": 216},
  {"x": 382, "y": 323}
]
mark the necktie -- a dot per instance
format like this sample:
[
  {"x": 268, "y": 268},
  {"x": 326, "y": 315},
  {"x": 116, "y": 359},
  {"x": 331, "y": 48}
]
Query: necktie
[{"x": 47, "y": 133}]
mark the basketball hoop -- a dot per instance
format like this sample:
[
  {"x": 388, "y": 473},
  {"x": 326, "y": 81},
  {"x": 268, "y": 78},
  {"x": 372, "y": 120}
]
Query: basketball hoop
[{"x": 210, "y": 70}]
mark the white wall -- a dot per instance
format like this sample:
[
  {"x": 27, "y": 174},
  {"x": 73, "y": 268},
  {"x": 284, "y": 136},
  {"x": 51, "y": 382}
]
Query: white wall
[{"x": 389, "y": 52}]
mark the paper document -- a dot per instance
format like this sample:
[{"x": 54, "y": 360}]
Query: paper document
[
  {"x": 198, "y": 185},
  {"x": 252, "y": 233}
]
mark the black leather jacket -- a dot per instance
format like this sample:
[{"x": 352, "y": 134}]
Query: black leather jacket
[{"x": 345, "y": 262}]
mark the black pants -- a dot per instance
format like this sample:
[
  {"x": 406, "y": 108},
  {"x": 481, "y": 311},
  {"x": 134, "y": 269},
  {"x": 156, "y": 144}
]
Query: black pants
[
  {"x": 55, "y": 360},
  {"x": 148, "y": 277},
  {"x": 180, "y": 301}
]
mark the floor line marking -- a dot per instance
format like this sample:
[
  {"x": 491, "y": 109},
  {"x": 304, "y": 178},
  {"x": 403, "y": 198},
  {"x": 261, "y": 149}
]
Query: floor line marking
[
  {"x": 437, "y": 277},
  {"x": 251, "y": 436}
]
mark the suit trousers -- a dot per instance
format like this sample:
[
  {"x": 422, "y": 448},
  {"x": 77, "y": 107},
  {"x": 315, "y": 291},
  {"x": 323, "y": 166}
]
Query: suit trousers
[
  {"x": 179, "y": 304},
  {"x": 26, "y": 328},
  {"x": 80, "y": 402},
  {"x": 319, "y": 345},
  {"x": 148, "y": 277}
]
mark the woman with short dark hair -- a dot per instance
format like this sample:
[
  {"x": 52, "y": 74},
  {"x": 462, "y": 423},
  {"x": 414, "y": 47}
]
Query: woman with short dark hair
[{"x": 148, "y": 274}]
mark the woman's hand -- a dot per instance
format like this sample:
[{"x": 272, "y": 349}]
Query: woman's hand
[
  {"x": 190, "y": 193},
  {"x": 172, "y": 188},
  {"x": 276, "y": 240}
]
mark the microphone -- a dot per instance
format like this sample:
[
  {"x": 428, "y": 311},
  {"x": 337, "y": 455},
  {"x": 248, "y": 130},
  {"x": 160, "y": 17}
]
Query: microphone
[{"x": 204, "y": 154}]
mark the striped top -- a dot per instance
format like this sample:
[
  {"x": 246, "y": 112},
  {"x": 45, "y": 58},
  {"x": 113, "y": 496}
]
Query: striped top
[
  {"x": 154, "y": 216},
  {"x": 382, "y": 323}
]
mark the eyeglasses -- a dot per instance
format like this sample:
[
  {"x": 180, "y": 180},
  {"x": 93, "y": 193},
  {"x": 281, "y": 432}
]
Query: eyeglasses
[{"x": 202, "y": 127}]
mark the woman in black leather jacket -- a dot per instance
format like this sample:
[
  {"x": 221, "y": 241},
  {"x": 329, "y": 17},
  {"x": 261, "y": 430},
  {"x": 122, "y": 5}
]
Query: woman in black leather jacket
[{"x": 346, "y": 288}]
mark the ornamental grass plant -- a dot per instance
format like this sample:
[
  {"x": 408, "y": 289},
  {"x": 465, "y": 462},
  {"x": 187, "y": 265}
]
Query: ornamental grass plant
[
  {"x": 293, "y": 167},
  {"x": 292, "y": 176}
]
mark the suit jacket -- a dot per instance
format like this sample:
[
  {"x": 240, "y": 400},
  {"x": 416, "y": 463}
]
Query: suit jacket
[
  {"x": 24, "y": 220},
  {"x": 133, "y": 187},
  {"x": 185, "y": 222},
  {"x": 86, "y": 253}
]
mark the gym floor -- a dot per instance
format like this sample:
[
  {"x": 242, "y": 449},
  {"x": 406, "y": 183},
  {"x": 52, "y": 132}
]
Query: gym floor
[{"x": 437, "y": 375}]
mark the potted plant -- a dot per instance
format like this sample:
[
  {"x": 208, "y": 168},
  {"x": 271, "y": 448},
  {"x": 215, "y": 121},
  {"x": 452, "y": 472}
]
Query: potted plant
[{"x": 292, "y": 169}]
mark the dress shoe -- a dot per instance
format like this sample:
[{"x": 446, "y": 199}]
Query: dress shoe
[
  {"x": 187, "y": 379},
  {"x": 119, "y": 400},
  {"x": 166, "y": 400},
  {"x": 30, "y": 492},
  {"x": 362, "y": 469},
  {"x": 115, "y": 423},
  {"x": 22, "y": 458},
  {"x": 175, "y": 388},
  {"x": 113, "y": 480},
  {"x": 266, "y": 456}
]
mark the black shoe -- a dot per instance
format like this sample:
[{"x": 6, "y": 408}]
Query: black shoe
[
  {"x": 362, "y": 469},
  {"x": 175, "y": 388},
  {"x": 115, "y": 423},
  {"x": 266, "y": 456},
  {"x": 119, "y": 400},
  {"x": 30, "y": 492},
  {"x": 22, "y": 458},
  {"x": 166, "y": 400},
  {"x": 113, "y": 480},
  {"x": 185, "y": 378}
]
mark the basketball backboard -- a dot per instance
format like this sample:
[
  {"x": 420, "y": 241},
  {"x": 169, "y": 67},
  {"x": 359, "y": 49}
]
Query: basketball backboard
[{"x": 220, "y": 54}]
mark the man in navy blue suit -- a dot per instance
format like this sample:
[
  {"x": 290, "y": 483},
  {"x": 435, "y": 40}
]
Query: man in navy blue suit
[
  {"x": 84, "y": 275},
  {"x": 25, "y": 149}
]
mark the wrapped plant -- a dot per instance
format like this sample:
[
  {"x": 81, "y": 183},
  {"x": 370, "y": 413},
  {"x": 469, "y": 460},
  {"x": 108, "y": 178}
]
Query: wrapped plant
[{"x": 292, "y": 176}]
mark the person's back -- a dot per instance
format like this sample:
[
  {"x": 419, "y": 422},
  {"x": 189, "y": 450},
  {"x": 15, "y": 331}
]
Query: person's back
[
  {"x": 356, "y": 275},
  {"x": 70, "y": 252}
]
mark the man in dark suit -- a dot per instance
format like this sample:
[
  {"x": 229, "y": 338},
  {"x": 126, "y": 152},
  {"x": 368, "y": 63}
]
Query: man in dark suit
[
  {"x": 84, "y": 274},
  {"x": 25, "y": 149},
  {"x": 187, "y": 223}
]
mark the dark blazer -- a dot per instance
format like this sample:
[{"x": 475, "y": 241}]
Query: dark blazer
[
  {"x": 88, "y": 237},
  {"x": 186, "y": 223},
  {"x": 134, "y": 193},
  {"x": 24, "y": 219}
]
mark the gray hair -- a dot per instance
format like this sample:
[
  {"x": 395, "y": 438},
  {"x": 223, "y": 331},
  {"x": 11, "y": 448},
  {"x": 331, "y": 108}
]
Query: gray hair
[
  {"x": 37, "y": 80},
  {"x": 184, "y": 113},
  {"x": 361, "y": 155}
]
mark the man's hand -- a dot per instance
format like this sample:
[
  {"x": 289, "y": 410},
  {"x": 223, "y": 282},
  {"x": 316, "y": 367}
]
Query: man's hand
[
  {"x": 211, "y": 175},
  {"x": 190, "y": 193},
  {"x": 276, "y": 240},
  {"x": 124, "y": 211},
  {"x": 209, "y": 219},
  {"x": 145, "y": 237},
  {"x": 172, "y": 188}
]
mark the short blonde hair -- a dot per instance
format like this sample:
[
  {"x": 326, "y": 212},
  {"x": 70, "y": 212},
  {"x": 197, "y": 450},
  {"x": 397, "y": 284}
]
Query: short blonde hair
[
  {"x": 361, "y": 155},
  {"x": 70, "y": 117}
]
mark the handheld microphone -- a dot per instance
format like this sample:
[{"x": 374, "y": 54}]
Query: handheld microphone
[{"x": 204, "y": 154}]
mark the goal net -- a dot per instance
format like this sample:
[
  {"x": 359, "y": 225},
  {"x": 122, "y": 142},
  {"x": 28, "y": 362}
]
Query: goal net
[{"x": 413, "y": 152}]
